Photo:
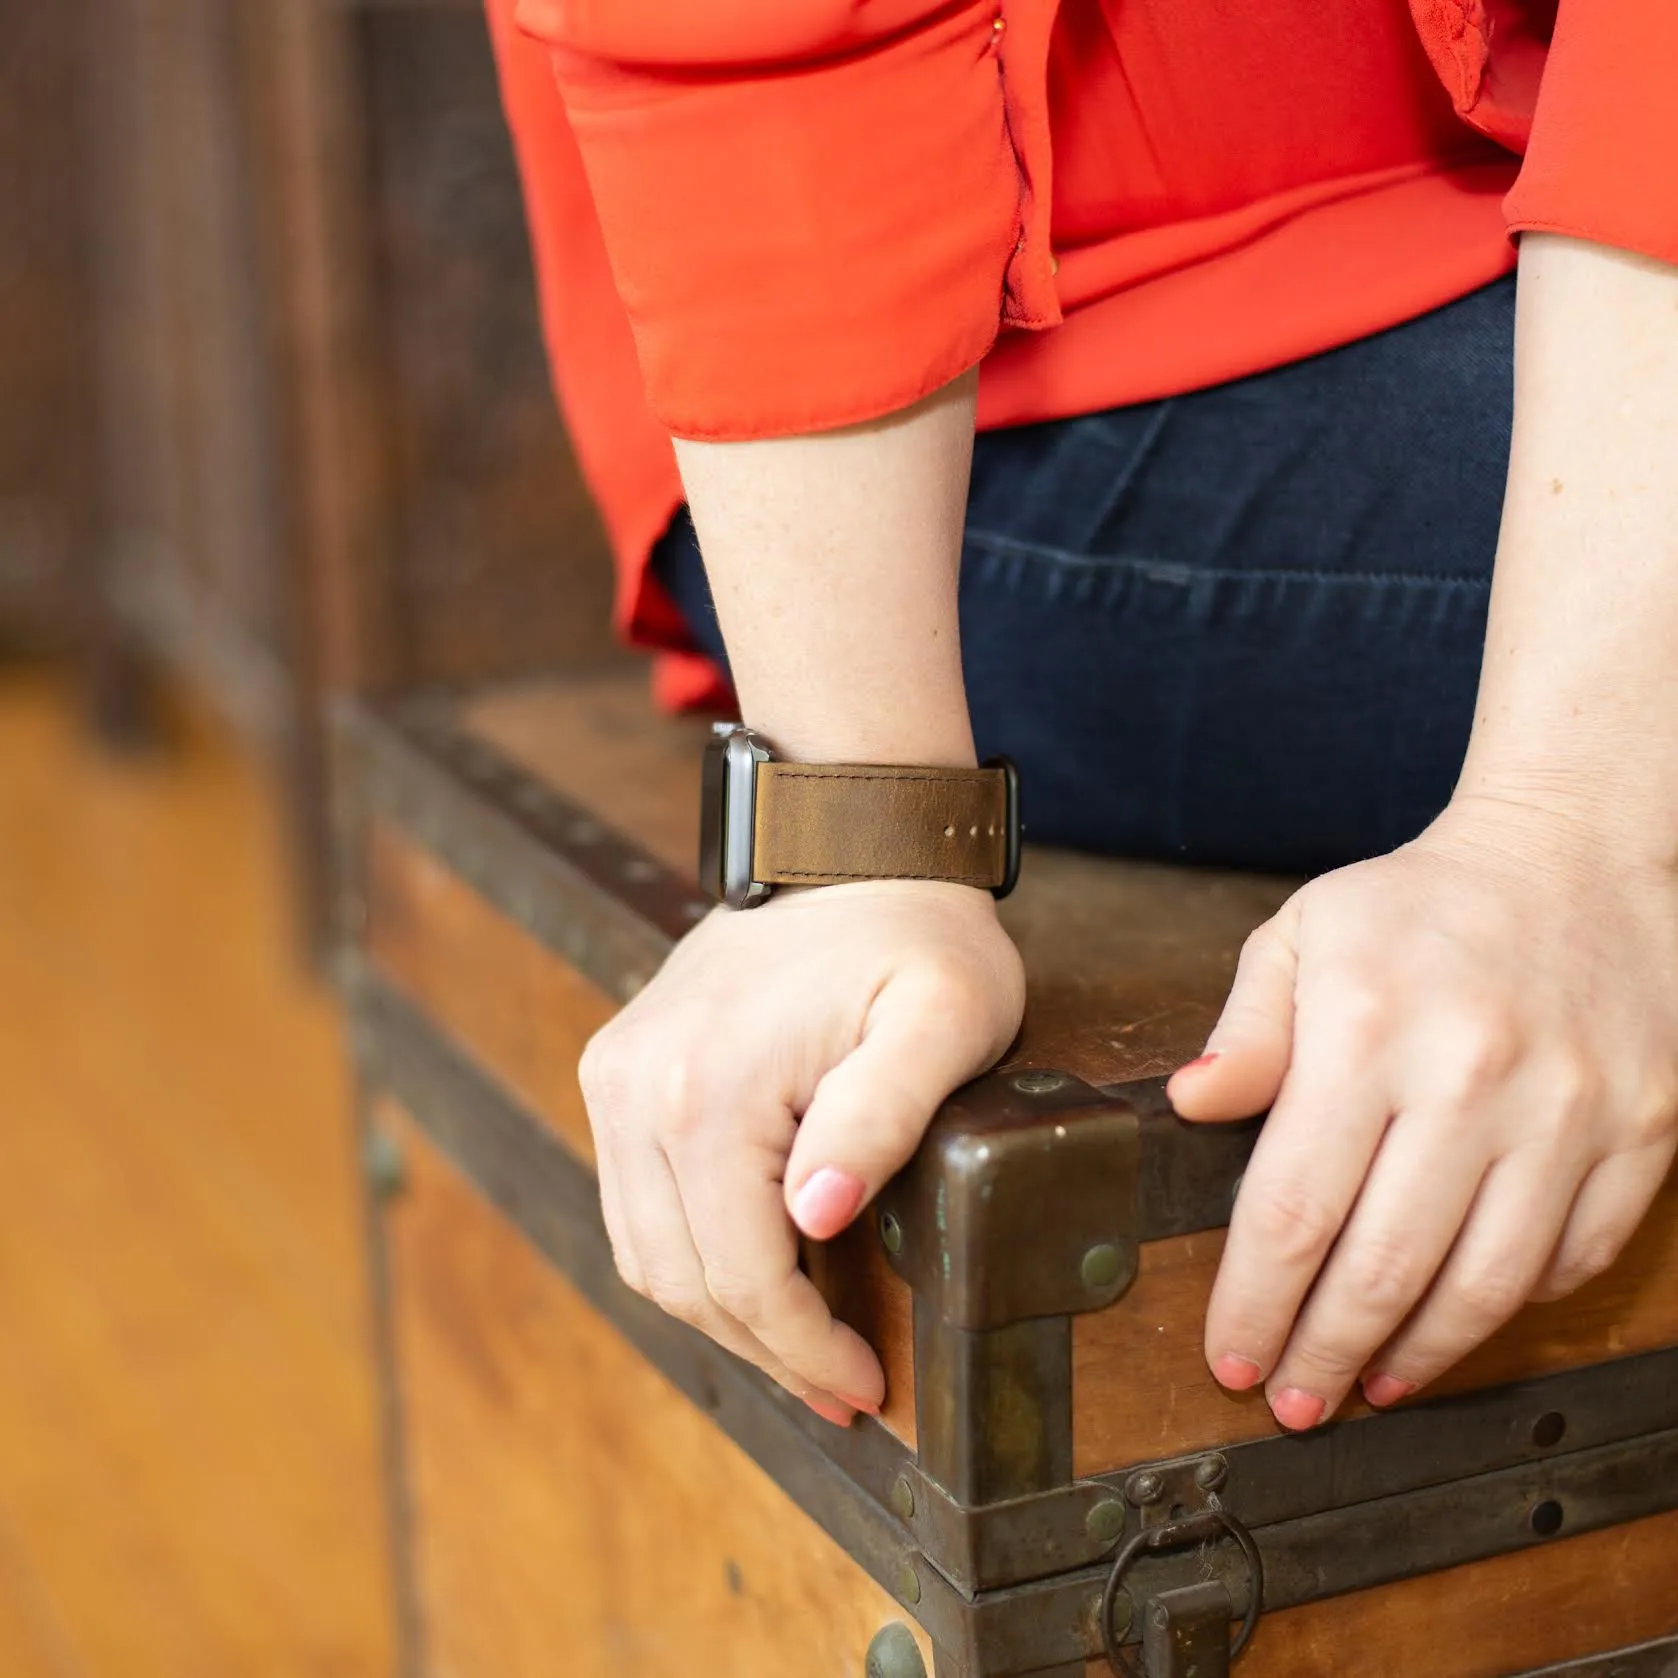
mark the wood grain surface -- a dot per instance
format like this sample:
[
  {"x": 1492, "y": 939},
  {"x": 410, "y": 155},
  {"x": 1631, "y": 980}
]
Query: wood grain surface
[
  {"x": 188, "y": 1453},
  {"x": 574, "y": 1513},
  {"x": 1573, "y": 1598},
  {"x": 523, "y": 1014},
  {"x": 1141, "y": 1388}
]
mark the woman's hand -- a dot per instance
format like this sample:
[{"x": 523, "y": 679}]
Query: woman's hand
[
  {"x": 1470, "y": 1052},
  {"x": 780, "y": 1068}
]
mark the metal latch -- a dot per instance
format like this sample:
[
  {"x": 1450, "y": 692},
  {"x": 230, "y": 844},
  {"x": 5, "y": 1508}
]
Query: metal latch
[{"x": 1185, "y": 1632}]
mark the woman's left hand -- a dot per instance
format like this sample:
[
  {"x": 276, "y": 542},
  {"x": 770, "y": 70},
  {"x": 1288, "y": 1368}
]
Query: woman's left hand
[{"x": 1469, "y": 1049}]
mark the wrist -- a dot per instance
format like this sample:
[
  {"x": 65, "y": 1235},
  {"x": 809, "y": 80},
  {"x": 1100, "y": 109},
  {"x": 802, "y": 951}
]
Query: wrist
[
  {"x": 1538, "y": 817},
  {"x": 917, "y": 730}
]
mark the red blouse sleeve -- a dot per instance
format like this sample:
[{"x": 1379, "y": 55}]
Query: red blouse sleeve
[
  {"x": 817, "y": 211},
  {"x": 1602, "y": 162},
  {"x": 1588, "y": 90}
]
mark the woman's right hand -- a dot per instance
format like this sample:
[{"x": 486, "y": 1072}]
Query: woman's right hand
[{"x": 783, "y": 1064}]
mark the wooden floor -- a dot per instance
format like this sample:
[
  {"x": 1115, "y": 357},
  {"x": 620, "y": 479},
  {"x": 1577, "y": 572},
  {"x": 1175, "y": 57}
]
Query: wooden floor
[{"x": 187, "y": 1449}]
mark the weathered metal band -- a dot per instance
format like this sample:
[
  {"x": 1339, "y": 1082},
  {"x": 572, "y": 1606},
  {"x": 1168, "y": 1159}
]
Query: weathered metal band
[
  {"x": 1645, "y": 1660},
  {"x": 1288, "y": 1476},
  {"x": 612, "y": 910},
  {"x": 1347, "y": 1549},
  {"x": 846, "y": 1479},
  {"x": 993, "y": 1416},
  {"x": 597, "y": 901}
]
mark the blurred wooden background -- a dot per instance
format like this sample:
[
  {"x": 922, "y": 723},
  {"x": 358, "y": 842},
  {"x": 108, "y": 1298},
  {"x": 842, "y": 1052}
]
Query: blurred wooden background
[
  {"x": 274, "y": 424},
  {"x": 275, "y": 411}
]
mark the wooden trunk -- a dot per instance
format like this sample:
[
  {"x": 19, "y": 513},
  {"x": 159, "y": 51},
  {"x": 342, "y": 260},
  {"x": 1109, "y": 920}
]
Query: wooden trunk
[{"x": 583, "y": 1481}]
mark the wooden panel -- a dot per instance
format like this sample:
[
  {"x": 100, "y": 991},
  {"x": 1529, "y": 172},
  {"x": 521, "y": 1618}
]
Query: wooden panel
[
  {"x": 863, "y": 1290},
  {"x": 521, "y": 1013},
  {"x": 45, "y": 453},
  {"x": 191, "y": 475},
  {"x": 436, "y": 464},
  {"x": 1127, "y": 963},
  {"x": 572, "y": 1511},
  {"x": 1577, "y": 1597},
  {"x": 1141, "y": 1387}
]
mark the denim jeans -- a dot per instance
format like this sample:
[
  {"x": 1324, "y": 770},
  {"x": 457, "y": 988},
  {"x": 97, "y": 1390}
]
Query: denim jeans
[{"x": 1241, "y": 626}]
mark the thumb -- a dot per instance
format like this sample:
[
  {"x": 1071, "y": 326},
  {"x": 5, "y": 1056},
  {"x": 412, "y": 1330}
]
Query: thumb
[
  {"x": 1247, "y": 1054},
  {"x": 922, "y": 1039}
]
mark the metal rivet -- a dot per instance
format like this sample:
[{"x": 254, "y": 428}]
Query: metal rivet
[
  {"x": 908, "y": 1582},
  {"x": 1145, "y": 1488},
  {"x": 381, "y": 1159},
  {"x": 1040, "y": 1083},
  {"x": 1106, "y": 1521},
  {"x": 903, "y": 1497},
  {"x": 1102, "y": 1267},
  {"x": 894, "y": 1653},
  {"x": 891, "y": 1232},
  {"x": 1210, "y": 1472}
]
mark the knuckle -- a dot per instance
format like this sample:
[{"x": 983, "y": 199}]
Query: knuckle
[
  {"x": 1289, "y": 1221},
  {"x": 598, "y": 1068},
  {"x": 742, "y": 1298},
  {"x": 689, "y": 1092},
  {"x": 1654, "y": 1114},
  {"x": 677, "y": 1299},
  {"x": 1488, "y": 1298},
  {"x": 1477, "y": 1058},
  {"x": 1584, "y": 1262},
  {"x": 1576, "y": 1085},
  {"x": 1326, "y": 1360},
  {"x": 945, "y": 985},
  {"x": 1385, "y": 1274},
  {"x": 1360, "y": 1013},
  {"x": 601, "y": 1070}
]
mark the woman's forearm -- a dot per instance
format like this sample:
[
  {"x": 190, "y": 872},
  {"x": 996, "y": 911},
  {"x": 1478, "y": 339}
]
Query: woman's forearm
[
  {"x": 1578, "y": 706},
  {"x": 834, "y": 560}
]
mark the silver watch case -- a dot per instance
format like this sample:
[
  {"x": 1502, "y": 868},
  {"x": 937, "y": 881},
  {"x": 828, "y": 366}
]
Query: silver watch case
[{"x": 727, "y": 815}]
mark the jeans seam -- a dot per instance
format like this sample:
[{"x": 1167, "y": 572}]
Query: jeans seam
[{"x": 1011, "y": 546}]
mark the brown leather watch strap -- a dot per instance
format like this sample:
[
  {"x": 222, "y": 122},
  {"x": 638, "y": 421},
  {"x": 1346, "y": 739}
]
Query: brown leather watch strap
[{"x": 821, "y": 824}]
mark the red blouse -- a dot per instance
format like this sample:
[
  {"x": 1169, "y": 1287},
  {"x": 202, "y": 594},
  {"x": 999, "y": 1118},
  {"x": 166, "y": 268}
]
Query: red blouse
[{"x": 760, "y": 217}]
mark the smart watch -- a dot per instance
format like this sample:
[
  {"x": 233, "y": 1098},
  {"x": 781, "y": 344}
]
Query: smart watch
[{"x": 765, "y": 823}]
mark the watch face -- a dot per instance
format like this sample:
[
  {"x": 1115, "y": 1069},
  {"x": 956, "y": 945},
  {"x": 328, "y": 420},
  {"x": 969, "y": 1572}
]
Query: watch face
[{"x": 713, "y": 817}]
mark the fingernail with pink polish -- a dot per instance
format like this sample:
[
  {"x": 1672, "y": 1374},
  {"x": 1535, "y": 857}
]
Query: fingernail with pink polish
[
  {"x": 828, "y": 1202},
  {"x": 1237, "y": 1374},
  {"x": 865, "y": 1404},
  {"x": 1297, "y": 1410},
  {"x": 1382, "y": 1390},
  {"x": 1198, "y": 1062},
  {"x": 830, "y": 1410}
]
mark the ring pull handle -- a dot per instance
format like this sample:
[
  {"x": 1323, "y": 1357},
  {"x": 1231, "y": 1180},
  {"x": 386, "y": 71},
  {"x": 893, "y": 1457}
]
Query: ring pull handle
[{"x": 1211, "y": 1523}]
